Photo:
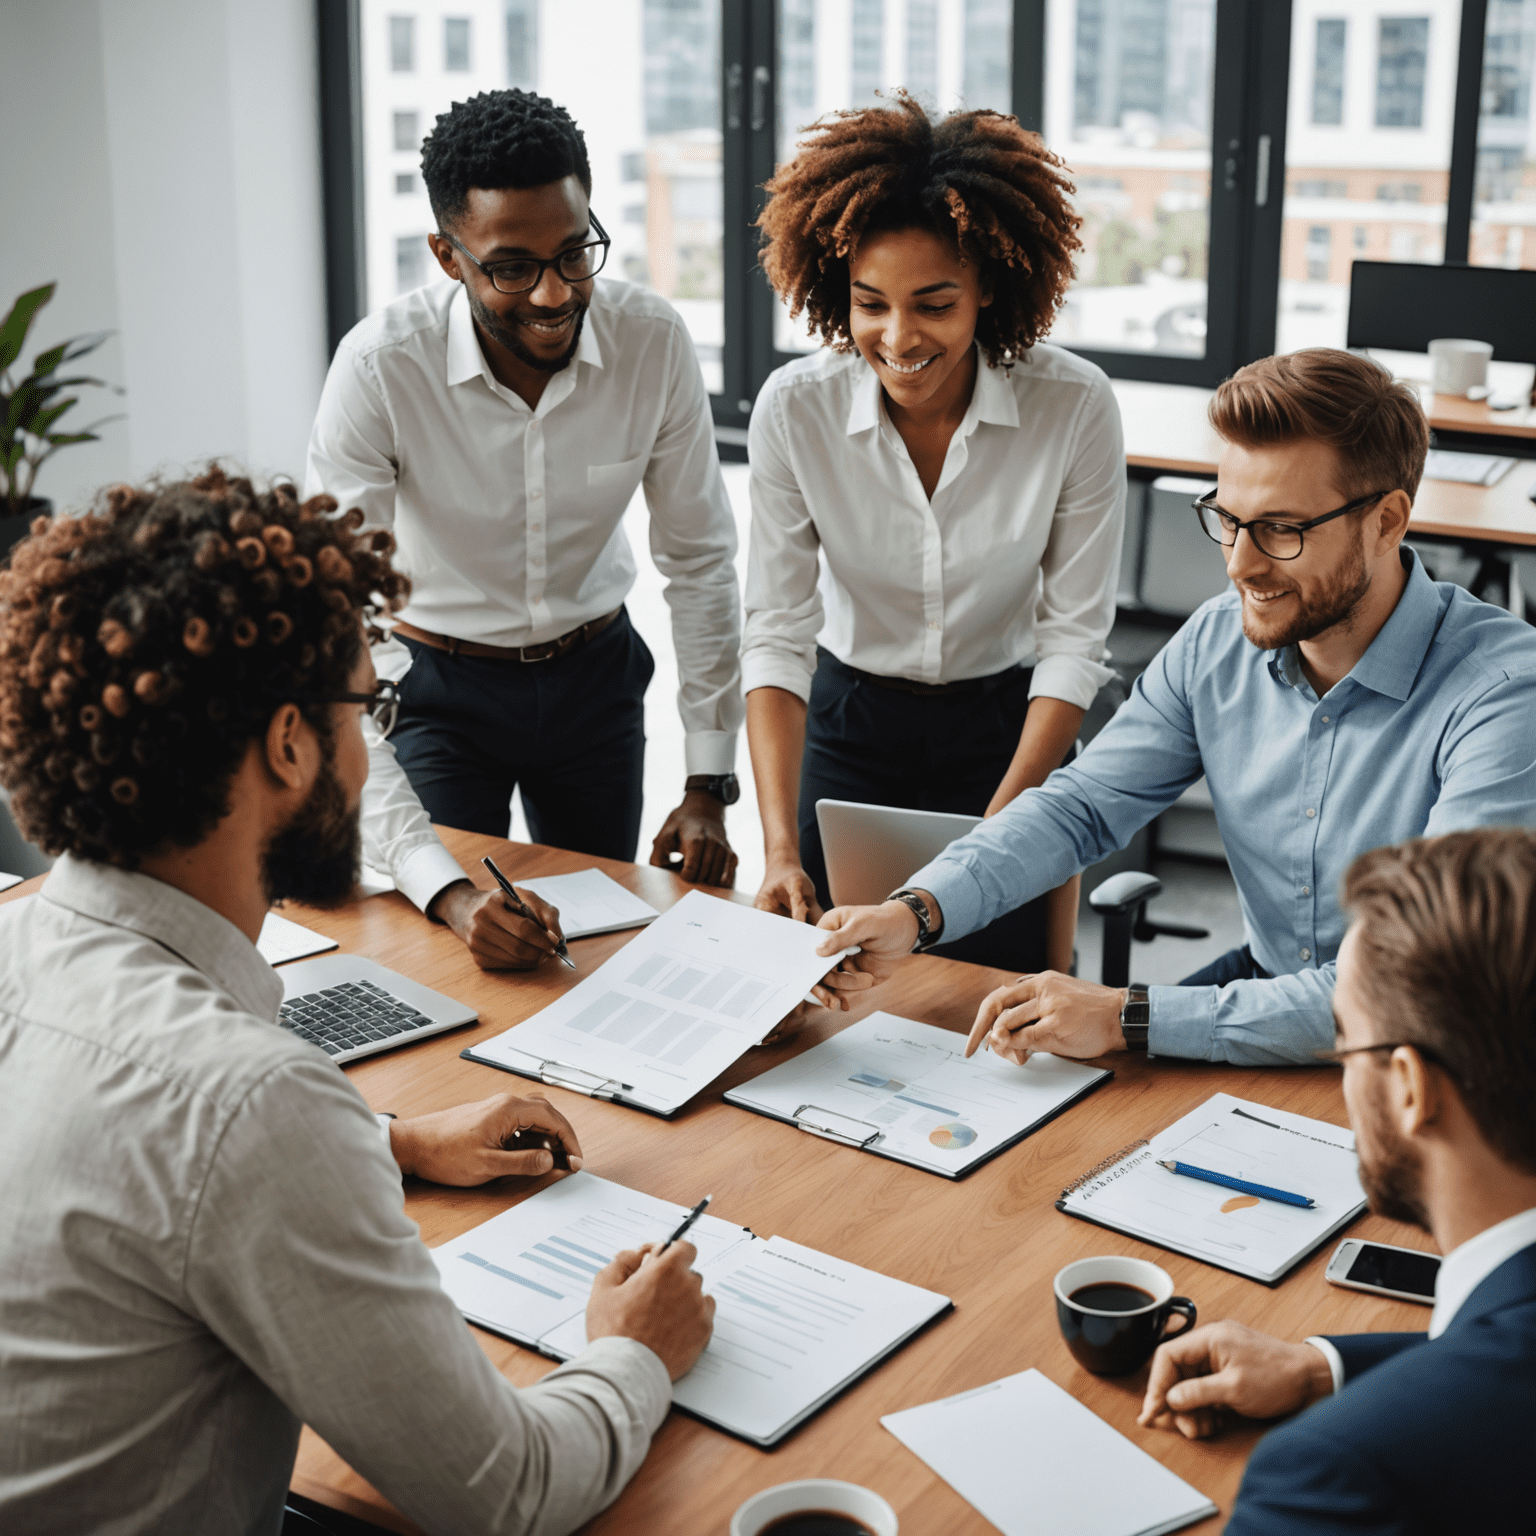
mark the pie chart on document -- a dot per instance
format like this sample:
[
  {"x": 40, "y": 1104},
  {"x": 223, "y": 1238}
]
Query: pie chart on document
[{"x": 952, "y": 1136}]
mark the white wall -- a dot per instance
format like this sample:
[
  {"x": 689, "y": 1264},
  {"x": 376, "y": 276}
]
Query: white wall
[{"x": 171, "y": 184}]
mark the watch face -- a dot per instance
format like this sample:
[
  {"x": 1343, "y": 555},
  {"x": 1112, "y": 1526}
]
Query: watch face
[{"x": 730, "y": 788}]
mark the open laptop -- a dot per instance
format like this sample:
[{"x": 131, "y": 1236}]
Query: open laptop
[
  {"x": 872, "y": 850},
  {"x": 353, "y": 1007}
]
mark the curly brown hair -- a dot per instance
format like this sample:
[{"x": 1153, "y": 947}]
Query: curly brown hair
[
  {"x": 976, "y": 178},
  {"x": 145, "y": 643}
]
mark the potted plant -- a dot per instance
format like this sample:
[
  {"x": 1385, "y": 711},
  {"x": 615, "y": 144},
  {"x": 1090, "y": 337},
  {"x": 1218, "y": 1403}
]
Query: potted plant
[{"x": 31, "y": 408}]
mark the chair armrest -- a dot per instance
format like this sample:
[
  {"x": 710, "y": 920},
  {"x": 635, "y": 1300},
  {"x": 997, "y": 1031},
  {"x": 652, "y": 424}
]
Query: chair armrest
[{"x": 1124, "y": 892}]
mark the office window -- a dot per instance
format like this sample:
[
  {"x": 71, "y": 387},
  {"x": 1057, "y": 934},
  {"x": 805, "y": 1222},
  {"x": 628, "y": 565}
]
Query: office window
[
  {"x": 402, "y": 44},
  {"x": 412, "y": 255},
  {"x": 1328, "y": 72},
  {"x": 456, "y": 44},
  {"x": 1504, "y": 198},
  {"x": 923, "y": 48},
  {"x": 866, "y": 51},
  {"x": 1401, "y": 55},
  {"x": 1362, "y": 237},
  {"x": 405, "y": 183},
  {"x": 1319, "y": 251},
  {"x": 407, "y": 130},
  {"x": 522, "y": 43}
]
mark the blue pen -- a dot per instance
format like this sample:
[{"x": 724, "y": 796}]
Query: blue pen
[{"x": 1241, "y": 1185}]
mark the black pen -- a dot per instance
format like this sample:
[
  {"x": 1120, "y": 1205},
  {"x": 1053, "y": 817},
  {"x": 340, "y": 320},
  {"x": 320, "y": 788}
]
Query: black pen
[
  {"x": 686, "y": 1222},
  {"x": 522, "y": 908}
]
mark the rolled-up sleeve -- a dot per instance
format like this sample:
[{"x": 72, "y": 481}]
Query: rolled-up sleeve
[
  {"x": 693, "y": 542},
  {"x": 784, "y": 607},
  {"x": 319, "y": 1283},
  {"x": 1080, "y": 569}
]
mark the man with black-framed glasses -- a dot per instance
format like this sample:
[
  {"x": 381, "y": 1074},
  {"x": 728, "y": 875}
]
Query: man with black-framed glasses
[
  {"x": 1338, "y": 700},
  {"x": 500, "y": 425}
]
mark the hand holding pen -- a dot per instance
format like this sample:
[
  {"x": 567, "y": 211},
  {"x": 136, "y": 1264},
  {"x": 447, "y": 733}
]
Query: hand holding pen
[{"x": 521, "y": 907}]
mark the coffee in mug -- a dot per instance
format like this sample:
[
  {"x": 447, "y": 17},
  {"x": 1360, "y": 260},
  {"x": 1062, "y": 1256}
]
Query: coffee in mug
[
  {"x": 815, "y": 1506},
  {"x": 1115, "y": 1311},
  {"x": 817, "y": 1522}
]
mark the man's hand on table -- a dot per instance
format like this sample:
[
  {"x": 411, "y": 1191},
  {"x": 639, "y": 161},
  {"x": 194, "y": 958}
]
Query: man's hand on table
[
  {"x": 499, "y": 939},
  {"x": 468, "y": 1144},
  {"x": 696, "y": 831},
  {"x": 1049, "y": 1012},
  {"x": 1226, "y": 1367},
  {"x": 657, "y": 1300}
]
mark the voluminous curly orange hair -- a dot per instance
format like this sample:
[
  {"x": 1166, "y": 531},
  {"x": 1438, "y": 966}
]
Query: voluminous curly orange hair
[{"x": 977, "y": 178}]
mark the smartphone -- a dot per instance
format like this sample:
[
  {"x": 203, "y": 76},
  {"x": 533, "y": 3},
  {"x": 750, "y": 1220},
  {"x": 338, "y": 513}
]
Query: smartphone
[{"x": 1403, "y": 1273}]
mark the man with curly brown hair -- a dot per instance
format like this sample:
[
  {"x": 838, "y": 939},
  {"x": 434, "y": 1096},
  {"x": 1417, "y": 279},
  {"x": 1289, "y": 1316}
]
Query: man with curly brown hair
[
  {"x": 204, "y": 1244},
  {"x": 937, "y": 498}
]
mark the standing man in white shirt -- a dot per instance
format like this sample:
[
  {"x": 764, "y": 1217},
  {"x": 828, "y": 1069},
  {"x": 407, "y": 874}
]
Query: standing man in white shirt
[{"x": 499, "y": 426}]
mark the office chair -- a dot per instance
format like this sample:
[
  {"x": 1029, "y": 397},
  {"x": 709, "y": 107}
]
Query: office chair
[{"x": 1122, "y": 902}]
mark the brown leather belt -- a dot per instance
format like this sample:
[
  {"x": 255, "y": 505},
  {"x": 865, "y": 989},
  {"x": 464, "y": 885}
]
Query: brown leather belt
[{"x": 549, "y": 650}]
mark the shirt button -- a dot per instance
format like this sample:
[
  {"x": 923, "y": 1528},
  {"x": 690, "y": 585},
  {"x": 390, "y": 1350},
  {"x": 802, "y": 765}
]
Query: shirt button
[
  {"x": 1306, "y": 890},
  {"x": 1325, "y": 719},
  {"x": 1306, "y": 954},
  {"x": 1310, "y": 811}
]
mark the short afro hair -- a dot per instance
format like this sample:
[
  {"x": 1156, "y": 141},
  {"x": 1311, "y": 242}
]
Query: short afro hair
[
  {"x": 147, "y": 642},
  {"x": 500, "y": 139},
  {"x": 975, "y": 178}
]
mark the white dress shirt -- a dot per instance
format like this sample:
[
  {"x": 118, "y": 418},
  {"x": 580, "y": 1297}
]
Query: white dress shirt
[
  {"x": 509, "y": 520},
  {"x": 205, "y": 1245},
  {"x": 1015, "y": 560}
]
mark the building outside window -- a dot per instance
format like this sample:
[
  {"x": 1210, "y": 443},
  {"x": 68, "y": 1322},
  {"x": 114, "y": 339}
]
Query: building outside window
[
  {"x": 522, "y": 43},
  {"x": 407, "y": 130},
  {"x": 1319, "y": 252},
  {"x": 1504, "y": 198},
  {"x": 402, "y": 44},
  {"x": 1328, "y": 72},
  {"x": 411, "y": 258},
  {"x": 456, "y": 44},
  {"x": 1401, "y": 56},
  {"x": 405, "y": 183}
]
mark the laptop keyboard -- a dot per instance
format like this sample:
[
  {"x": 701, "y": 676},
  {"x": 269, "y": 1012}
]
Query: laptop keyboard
[{"x": 354, "y": 1016}]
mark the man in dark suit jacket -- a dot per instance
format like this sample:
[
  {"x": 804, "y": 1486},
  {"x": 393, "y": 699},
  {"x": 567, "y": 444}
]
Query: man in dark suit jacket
[{"x": 1411, "y": 1433}]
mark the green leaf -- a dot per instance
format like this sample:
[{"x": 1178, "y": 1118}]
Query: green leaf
[
  {"x": 14, "y": 328},
  {"x": 40, "y": 423},
  {"x": 80, "y": 345},
  {"x": 63, "y": 439},
  {"x": 45, "y": 362}
]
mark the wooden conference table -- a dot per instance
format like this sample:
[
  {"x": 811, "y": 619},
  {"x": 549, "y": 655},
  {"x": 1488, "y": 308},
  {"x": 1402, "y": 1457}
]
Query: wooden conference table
[
  {"x": 992, "y": 1241},
  {"x": 1166, "y": 430}
]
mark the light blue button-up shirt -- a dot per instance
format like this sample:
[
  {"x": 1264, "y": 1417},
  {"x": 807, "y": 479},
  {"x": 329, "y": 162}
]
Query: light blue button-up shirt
[{"x": 1433, "y": 731}]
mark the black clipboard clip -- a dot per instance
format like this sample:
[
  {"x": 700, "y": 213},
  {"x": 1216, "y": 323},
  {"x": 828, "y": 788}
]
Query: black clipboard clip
[{"x": 843, "y": 1128}]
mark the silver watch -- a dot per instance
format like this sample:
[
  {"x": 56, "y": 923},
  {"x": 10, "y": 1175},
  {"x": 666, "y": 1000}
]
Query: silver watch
[
  {"x": 927, "y": 935},
  {"x": 1136, "y": 1017}
]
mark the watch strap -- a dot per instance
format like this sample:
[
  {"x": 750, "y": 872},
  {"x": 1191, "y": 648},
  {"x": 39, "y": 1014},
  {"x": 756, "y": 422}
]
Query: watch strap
[
  {"x": 927, "y": 935},
  {"x": 725, "y": 787},
  {"x": 1136, "y": 1017}
]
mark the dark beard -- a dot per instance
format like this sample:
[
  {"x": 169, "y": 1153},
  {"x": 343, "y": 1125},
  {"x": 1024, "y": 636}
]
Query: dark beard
[
  {"x": 1393, "y": 1177},
  {"x": 508, "y": 336},
  {"x": 1330, "y": 607},
  {"x": 315, "y": 858}
]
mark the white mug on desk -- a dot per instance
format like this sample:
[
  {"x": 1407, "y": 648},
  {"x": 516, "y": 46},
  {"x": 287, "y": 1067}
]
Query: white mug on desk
[{"x": 1457, "y": 365}]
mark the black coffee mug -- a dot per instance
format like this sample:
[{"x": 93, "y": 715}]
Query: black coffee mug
[{"x": 1114, "y": 1312}]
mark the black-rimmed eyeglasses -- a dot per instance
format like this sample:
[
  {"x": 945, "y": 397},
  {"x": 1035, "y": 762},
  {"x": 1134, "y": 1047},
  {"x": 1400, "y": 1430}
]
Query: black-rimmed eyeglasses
[
  {"x": 1335, "y": 1054},
  {"x": 1278, "y": 540},
  {"x": 383, "y": 703},
  {"x": 523, "y": 275}
]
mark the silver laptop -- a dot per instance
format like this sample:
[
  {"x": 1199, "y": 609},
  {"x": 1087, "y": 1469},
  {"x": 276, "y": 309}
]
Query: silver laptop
[
  {"x": 872, "y": 850},
  {"x": 353, "y": 1007}
]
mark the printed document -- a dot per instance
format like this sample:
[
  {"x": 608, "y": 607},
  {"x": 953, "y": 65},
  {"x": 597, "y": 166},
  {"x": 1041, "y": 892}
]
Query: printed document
[
  {"x": 671, "y": 1010},
  {"x": 1031, "y": 1458},
  {"x": 590, "y": 902},
  {"x": 1262, "y": 1239},
  {"x": 282, "y": 940},
  {"x": 793, "y": 1327},
  {"x": 906, "y": 1091}
]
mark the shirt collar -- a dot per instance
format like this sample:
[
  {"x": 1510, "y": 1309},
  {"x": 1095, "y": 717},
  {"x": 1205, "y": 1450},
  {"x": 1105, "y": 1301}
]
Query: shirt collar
[
  {"x": 1465, "y": 1268},
  {"x": 466, "y": 361},
  {"x": 192, "y": 932},
  {"x": 992, "y": 400}
]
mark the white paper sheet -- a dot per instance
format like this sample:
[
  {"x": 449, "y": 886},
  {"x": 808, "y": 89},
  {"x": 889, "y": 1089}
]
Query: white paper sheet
[
  {"x": 282, "y": 940},
  {"x": 674, "y": 1008},
  {"x": 1261, "y": 1238},
  {"x": 591, "y": 902},
  {"x": 7, "y": 881},
  {"x": 1035, "y": 1462},
  {"x": 792, "y": 1326},
  {"x": 913, "y": 1085}
]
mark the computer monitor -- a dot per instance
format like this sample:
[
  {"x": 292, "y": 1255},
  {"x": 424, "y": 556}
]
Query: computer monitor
[{"x": 1401, "y": 306}]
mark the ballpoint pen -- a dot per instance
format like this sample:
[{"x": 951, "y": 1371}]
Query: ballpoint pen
[
  {"x": 1263, "y": 1191},
  {"x": 522, "y": 908},
  {"x": 683, "y": 1225}
]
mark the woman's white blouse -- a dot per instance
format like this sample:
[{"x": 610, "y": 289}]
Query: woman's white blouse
[{"x": 1015, "y": 560}]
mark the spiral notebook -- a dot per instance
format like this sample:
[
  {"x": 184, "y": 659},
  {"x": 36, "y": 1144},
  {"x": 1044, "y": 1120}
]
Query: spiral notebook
[{"x": 1262, "y": 1239}]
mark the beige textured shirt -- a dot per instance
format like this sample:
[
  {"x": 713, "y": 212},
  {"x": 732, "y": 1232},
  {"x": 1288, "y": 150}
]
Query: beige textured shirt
[{"x": 203, "y": 1244}]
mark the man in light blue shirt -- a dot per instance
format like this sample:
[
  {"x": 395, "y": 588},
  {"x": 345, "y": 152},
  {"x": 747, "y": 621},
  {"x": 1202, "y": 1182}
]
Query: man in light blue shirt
[{"x": 1336, "y": 701}]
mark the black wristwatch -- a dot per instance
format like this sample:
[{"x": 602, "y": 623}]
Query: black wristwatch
[
  {"x": 1136, "y": 1017},
  {"x": 927, "y": 935},
  {"x": 723, "y": 786}
]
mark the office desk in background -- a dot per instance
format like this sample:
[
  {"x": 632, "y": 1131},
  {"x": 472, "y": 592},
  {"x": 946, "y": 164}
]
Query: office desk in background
[{"x": 991, "y": 1242}]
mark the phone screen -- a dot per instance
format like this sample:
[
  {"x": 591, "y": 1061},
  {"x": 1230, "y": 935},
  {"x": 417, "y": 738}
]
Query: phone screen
[{"x": 1394, "y": 1270}]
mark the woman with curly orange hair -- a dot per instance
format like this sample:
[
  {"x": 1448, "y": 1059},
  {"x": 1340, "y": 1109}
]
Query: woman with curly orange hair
[{"x": 937, "y": 496}]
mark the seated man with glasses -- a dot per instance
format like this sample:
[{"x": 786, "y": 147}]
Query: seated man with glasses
[
  {"x": 500, "y": 424},
  {"x": 1337, "y": 701}
]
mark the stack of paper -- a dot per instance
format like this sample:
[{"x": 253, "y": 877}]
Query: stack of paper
[
  {"x": 591, "y": 902},
  {"x": 282, "y": 940},
  {"x": 1033, "y": 1459},
  {"x": 793, "y": 1327}
]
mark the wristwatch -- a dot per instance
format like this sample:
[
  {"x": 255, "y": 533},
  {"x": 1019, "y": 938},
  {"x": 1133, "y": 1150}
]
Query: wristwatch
[
  {"x": 1135, "y": 1017},
  {"x": 723, "y": 786},
  {"x": 927, "y": 935}
]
